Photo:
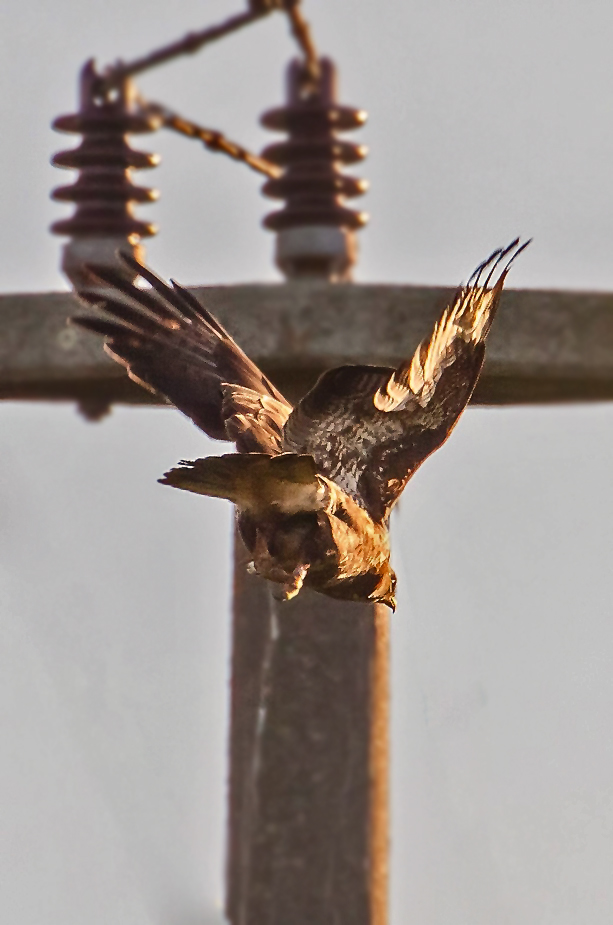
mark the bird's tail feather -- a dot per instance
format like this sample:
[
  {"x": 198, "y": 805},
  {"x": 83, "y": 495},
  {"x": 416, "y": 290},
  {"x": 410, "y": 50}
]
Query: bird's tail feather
[{"x": 250, "y": 480}]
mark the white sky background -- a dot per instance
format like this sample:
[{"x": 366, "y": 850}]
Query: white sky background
[{"x": 487, "y": 120}]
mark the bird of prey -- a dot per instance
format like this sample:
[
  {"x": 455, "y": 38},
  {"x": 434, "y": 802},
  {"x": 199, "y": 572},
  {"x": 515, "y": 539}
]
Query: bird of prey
[{"x": 313, "y": 485}]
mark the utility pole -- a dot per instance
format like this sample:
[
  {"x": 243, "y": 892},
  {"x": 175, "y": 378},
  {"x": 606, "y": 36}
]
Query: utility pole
[{"x": 309, "y": 695}]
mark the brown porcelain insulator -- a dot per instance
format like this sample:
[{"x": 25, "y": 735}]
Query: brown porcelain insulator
[
  {"x": 313, "y": 185},
  {"x": 104, "y": 193}
]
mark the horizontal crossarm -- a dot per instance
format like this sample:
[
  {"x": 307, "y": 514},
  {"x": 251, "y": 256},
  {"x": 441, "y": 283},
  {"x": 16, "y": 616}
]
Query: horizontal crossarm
[{"x": 545, "y": 346}]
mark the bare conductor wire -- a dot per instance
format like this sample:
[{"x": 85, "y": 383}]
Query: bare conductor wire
[
  {"x": 188, "y": 45},
  {"x": 210, "y": 138}
]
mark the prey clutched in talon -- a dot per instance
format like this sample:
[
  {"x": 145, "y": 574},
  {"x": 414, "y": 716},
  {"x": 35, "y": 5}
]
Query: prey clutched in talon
[{"x": 292, "y": 587}]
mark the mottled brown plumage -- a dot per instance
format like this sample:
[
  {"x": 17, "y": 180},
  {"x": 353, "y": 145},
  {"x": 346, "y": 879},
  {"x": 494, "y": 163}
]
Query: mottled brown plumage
[{"x": 313, "y": 485}]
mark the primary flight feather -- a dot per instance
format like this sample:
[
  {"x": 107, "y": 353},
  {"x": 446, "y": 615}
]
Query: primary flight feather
[{"x": 313, "y": 485}]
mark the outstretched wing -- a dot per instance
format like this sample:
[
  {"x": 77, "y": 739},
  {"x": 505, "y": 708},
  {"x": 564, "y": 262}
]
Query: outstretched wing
[
  {"x": 172, "y": 345},
  {"x": 369, "y": 428}
]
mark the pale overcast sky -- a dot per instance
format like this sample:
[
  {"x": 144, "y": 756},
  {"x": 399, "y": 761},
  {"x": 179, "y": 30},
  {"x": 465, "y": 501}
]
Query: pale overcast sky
[{"x": 487, "y": 120}]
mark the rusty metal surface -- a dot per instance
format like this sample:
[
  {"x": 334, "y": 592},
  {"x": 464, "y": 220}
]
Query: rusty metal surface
[
  {"x": 544, "y": 346},
  {"x": 308, "y": 780},
  {"x": 210, "y": 138},
  {"x": 188, "y": 45}
]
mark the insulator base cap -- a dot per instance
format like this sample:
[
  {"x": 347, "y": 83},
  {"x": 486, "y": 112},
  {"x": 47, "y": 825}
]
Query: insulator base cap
[
  {"x": 101, "y": 251},
  {"x": 320, "y": 251}
]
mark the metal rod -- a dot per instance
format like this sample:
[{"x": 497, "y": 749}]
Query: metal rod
[
  {"x": 211, "y": 138},
  {"x": 301, "y": 31},
  {"x": 188, "y": 45}
]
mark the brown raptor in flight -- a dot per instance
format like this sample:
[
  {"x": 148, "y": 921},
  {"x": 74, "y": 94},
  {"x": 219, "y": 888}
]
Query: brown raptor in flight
[{"x": 314, "y": 485}]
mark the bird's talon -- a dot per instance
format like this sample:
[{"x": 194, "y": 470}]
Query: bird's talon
[{"x": 292, "y": 587}]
